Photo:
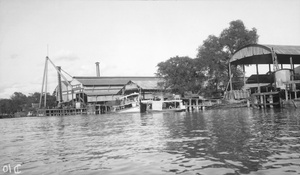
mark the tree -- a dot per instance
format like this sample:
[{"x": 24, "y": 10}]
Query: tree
[
  {"x": 181, "y": 74},
  {"x": 18, "y": 101},
  {"x": 5, "y": 106},
  {"x": 215, "y": 52},
  {"x": 35, "y": 98},
  {"x": 51, "y": 101},
  {"x": 214, "y": 61},
  {"x": 237, "y": 36}
]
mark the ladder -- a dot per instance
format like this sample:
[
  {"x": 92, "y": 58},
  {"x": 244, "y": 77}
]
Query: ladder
[{"x": 275, "y": 61}]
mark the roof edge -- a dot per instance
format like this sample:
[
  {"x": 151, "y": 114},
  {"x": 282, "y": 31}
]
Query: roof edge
[
  {"x": 116, "y": 77},
  {"x": 265, "y": 46}
]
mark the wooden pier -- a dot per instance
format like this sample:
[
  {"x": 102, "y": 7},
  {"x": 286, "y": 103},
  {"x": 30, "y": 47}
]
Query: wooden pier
[
  {"x": 90, "y": 109},
  {"x": 61, "y": 112},
  {"x": 265, "y": 99},
  {"x": 195, "y": 104}
]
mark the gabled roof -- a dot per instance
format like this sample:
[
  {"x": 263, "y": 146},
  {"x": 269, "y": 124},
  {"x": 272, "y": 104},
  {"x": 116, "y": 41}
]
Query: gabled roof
[
  {"x": 147, "y": 84},
  {"x": 109, "y": 81},
  {"x": 262, "y": 54}
]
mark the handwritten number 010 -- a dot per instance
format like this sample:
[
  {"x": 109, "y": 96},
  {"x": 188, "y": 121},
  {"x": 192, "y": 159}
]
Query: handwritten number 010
[{"x": 7, "y": 169}]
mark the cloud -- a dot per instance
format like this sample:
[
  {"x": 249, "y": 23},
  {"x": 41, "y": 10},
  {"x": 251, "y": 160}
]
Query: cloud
[
  {"x": 6, "y": 90},
  {"x": 3, "y": 87}
]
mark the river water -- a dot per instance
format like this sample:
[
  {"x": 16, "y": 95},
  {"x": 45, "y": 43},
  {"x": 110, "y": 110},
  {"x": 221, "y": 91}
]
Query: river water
[{"x": 211, "y": 142}]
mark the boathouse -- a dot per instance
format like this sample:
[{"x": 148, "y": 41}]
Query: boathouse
[{"x": 279, "y": 82}]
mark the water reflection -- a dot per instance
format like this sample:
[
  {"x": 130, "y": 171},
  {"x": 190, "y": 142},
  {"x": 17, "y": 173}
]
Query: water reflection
[
  {"x": 232, "y": 141},
  {"x": 238, "y": 141}
]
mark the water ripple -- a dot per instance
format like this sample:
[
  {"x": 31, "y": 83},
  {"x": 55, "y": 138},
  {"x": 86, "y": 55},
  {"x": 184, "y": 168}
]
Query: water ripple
[{"x": 234, "y": 141}]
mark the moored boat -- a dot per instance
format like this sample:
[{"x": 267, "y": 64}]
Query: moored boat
[
  {"x": 156, "y": 106},
  {"x": 167, "y": 105}
]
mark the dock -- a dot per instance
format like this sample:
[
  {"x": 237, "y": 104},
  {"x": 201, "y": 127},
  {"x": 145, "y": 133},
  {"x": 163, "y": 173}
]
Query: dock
[
  {"x": 61, "y": 112},
  {"x": 196, "y": 104},
  {"x": 265, "y": 99},
  {"x": 90, "y": 109}
]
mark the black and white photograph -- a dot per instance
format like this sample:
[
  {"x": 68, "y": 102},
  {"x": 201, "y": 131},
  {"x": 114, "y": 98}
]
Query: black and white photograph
[{"x": 150, "y": 87}]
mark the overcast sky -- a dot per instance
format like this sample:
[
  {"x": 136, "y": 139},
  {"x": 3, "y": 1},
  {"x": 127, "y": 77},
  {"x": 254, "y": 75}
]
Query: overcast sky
[{"x": 128, "y": 38}]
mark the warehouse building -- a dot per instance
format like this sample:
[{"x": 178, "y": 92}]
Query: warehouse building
[{"x": 104, "y": 89}]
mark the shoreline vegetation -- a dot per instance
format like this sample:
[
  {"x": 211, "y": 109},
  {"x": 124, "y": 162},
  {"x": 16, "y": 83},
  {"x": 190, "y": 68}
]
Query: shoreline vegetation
[{"x": 20, "y": 105}]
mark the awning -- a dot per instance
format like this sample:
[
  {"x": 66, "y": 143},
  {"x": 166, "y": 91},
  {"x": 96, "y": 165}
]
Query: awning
[{"x": 262, "y": 54}]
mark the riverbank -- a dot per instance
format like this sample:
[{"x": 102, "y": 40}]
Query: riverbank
[
  {"x": 15, "y": 115},
  {"x": 227, "y": 104},
  {"x": 7, "y": 116}
]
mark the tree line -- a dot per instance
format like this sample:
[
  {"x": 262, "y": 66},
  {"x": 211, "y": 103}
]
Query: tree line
[
  {"x": 18, "y": 102},
  {"x": 208, "y": 73}
]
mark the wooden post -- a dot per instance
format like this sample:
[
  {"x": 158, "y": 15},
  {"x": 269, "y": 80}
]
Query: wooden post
[
  {"x": 270, "y": 78},
  {"x": 295, "y": 92},
  {"x": 291, "y": 62},
  {"x": 265, "y": 102},
  {"x": 257, "y": 78},
  {"x": 248, "y": 103},
  {"x": 67, "y": 94},
  {"x": 271, "y": 100},
  {"x": 230, "y": 80},
  {"x": 244, "y": 74},
  {"x": 59, "y": 85},
  {"x": 261, "y": 97},
  {"x": 286, "y": 93},
  {"x": 293, "y": 86}
]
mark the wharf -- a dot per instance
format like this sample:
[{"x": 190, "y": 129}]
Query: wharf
[
  {"x": 88, "y": 110},
  {"x": 192, "y": 104},
  {"x": 264, "y": 99},
  {"x": 61, "y": 112}
]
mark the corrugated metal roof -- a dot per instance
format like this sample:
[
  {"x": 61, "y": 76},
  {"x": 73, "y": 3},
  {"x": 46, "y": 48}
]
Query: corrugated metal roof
[
  {"x": 284, "y": 49},
  {"x": 261, "y": 54},
  {"x": 147, "y": 85},
  {"x": 109, "y": 81},
  {"x": 103, "y": 82}
]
